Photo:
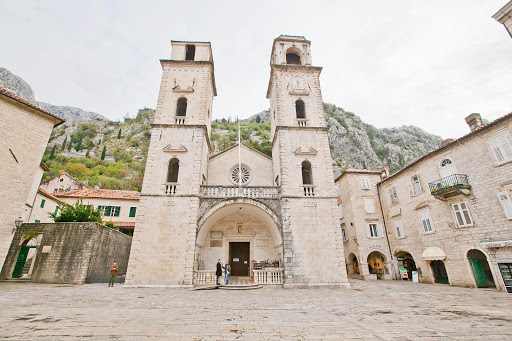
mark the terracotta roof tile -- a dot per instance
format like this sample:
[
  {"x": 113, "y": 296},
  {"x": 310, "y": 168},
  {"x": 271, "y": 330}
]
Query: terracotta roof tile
[
  {"x": 17, "y": 98},
  {"x": 101, "y": 193},
  {"x": 124, "y": 223},
  {"x": 49, "y": 195}
]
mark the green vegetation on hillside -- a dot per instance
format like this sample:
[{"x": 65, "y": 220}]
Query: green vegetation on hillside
[{"x": 257, "y": 135}]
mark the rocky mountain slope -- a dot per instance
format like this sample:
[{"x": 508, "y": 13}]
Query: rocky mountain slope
[{"x": 113, "y": 154}]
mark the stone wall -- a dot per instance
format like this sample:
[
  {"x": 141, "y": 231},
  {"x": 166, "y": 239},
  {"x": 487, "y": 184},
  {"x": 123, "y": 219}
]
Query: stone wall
[{"x": 70, "y": 252}]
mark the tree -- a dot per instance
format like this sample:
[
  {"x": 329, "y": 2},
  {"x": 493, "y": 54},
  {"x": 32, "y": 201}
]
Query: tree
[
  {"x": 64, "y": 143},
  {"x": 78, "y": 144},
  {"x": 78, "y": 212},
  {"x": 119, "y": 134},
  {"x": 52, "y": 154},
  {"x": 87, "y": 154},
  {"x": 103, "y": 153},
  {"x": 69, "y": 145},
  {"x": 258, "y": 119}
]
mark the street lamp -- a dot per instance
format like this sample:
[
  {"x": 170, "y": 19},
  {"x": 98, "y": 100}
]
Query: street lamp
[{"x": 17, "y": 222}]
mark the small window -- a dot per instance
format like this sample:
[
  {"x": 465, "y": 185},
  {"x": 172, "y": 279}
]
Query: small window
[
  {"x": 190, "y": 52},
  {"x": 133, "y": 211},
  {"x": 340, "y": 211},
  {"x": 369, "y": 205},
  {"x": 501, "y": 149},
  {"x": 181, "y": 108},
  {"x": 307, "y": 178},
  {"x": 115, "y": 211},
  {"x": 173, "y": 170},
  {"x": 426, "y": 222},
  {"x": 56, "y": 209},
  {"x": 399, "y": 229},
  {"x": 374, "y": 230},
  {"x": 446, "y": 163},
  {"x": 300, "y": 109},
  {"x": 344, "y": 234},
  {"x": 416, "y": 185},
  {"x": 37, "y": 221},
  {"x": 292, "y": 58},
  {"x": 504, "y": 199},
  {"x": 393, "y": 195},
  {"x": 365, "y": 183},
  {"x": 462, "y": 214},
  {"x": 61, "y": 179},
  {"x": 42, "y": 203}
]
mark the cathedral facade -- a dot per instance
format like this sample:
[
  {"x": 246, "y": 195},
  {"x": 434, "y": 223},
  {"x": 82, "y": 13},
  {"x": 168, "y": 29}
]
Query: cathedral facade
[{"x": 274, "y": 219}]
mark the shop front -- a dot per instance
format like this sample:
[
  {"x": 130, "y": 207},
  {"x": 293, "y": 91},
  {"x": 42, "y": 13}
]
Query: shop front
[{"x": 435, "y": 256}]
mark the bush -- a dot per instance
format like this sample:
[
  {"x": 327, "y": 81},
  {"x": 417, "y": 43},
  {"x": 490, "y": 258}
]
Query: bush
[{"x": 78, "y": 212}]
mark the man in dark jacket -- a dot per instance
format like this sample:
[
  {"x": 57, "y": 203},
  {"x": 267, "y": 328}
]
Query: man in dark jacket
[{"x": 219, "y": 271}]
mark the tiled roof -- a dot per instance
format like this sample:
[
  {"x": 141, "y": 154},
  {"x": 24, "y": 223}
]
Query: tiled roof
[
  {"x": 17, "y": 98},
  {"x": 49, "y": 195},
  {"x": 124, "y": 223},
  {"x": 359, "y": 171},
  {"x": 101, "y": 193}
]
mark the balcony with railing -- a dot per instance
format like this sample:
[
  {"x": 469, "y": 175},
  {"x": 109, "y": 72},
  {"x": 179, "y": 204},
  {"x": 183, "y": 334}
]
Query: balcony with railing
[
  {"x": 309, "y": 190},
  {"x": 302, "y": 122},
  {"x": 255, "y": 192},
  {"x": 450, "y": 186},
  {"x": 170, "y": 188}
]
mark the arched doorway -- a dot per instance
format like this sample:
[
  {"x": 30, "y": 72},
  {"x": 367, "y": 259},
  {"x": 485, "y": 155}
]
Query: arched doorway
[
  {"x": 376, "y": 262},
  {"x": 406, "y": 261},
  {"x": 245, "y": 234},
  {"x": 481, "y": 270},
  {"x": 439, "y": 272},
  {"x": 353, "y": 264},
  {"x": 25, "y": 258}
]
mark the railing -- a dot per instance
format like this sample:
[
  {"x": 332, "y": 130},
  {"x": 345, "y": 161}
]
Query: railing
[
  {"x": 179, "y": 120},
  {"x": 302, "y": 122},
  {"x": 170, "y": 187},
  {"x": 268, "y": 276},
  {"x": 262, "y": 192},
  {"x": 207, "y": 277},
  {"x": 309, "y": 190},
  {"x": 448, "y": 182}
]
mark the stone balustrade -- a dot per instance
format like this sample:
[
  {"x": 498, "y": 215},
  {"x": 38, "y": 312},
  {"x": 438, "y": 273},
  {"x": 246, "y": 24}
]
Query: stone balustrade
[
  {"x": 260, "y": 192},
  {"x": 206, "y": 277},
  {"x": 309, "y": 190},
  {"x": 268, "y": 276},
  {"x": 170, "y": 188}
]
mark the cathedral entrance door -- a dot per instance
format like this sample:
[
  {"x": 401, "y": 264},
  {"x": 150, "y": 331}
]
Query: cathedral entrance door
[{"x": 239, "y": 258}]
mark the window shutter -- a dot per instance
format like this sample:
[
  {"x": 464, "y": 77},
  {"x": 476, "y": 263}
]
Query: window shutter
[
  {"x": 117, "y": 211},
  {"x": 42, "y": 203},
  {"x": 504, "y": 199},
  {"x": 133, "y": 211},
  {"x": 494, "y": 143},
  {"x": 368, "y": 232},
  {"x": 507, "y": 149},
  {"x": 380, "y": 231},
  {"x": 107, "y": 212}
]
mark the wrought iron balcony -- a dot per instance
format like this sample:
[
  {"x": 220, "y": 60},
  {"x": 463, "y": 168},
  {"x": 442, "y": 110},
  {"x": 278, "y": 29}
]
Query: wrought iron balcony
[
  {"x": 255, "y": 192},
  {"x": 450, "y": 186}
]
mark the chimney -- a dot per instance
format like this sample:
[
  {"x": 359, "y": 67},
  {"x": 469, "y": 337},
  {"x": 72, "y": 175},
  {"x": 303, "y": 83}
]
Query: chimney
[
  {"x": 447, "y": 141},
  {"x": 474, "y": 121},
  {"x": 384, "y": 172}
]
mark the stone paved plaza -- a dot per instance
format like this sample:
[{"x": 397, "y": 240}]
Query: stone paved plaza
[{"x": 389, "y": 310}]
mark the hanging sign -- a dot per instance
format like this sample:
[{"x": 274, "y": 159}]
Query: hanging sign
[
  {"x": 415, "y": 277},
  {"x": 403, "y": 274}
]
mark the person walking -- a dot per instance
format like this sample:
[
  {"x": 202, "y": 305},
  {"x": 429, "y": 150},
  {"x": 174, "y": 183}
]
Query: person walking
[
  {"x": 219, "y": 271},
  {"x": 113, "y": 272},
  {"x": 227, "y": 271}
]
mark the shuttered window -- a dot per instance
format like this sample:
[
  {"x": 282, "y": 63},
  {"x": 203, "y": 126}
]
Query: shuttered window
[
  {"x": 133, "y": 211},
  {"x": 399, "y": 229},
  {"x": 393, "y": 195},
  {"x": 344, "y": 233},
  {"x": 374, "y": 230},
  {"x": 110, "y": 211},
  {"x": 501, "y": 149},
  {"x": 365, "y": 183},
  {"x": 416, "y": 185},
  {"x": 462, "y": 215},
  {"x": 504, "y": 199},
  {"x": 340, "y": 211},
  {"x": 42, "y": 203},
  {"x": 369, "y": 205},
  {"x": 426, "y": 222}
]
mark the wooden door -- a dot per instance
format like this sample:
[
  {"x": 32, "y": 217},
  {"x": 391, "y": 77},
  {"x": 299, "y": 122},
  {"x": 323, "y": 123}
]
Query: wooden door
[
  {"x": 239, "y": 258},
  {"x": 20, "y": 263},
  {"x": 439, "y": 270},
  {"x": 478, "y": 272}
]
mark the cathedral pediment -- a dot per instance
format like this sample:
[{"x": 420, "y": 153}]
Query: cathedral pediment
[
  {"x": 180, "y": 149},
  {"x": 179, "y": 88},
  {"x": 301, "y": 151}
]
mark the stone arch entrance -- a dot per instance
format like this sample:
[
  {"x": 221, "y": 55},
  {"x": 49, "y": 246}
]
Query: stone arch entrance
[
  {"x": 406, "y": 261},
  {"x": 481, "y": 270},
  {"x": 439, "y": 272},
  {"x": 353, "y": 265},
  {"x": 245, "y": 233},
  {"x": 376, "y": 264}
]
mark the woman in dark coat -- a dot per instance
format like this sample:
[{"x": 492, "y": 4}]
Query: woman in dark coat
[{"x": 219, "y": 271}]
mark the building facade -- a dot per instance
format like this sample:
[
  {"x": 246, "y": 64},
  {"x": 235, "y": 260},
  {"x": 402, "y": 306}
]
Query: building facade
[
  {"x": 504, "y": 17},
  {"x": 272, "y": 218},
  {"x": 21, "y": 153}
]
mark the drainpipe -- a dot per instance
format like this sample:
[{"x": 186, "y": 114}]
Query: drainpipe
[{"x": 386, "y": 230}]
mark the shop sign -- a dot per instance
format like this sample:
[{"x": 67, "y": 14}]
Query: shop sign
[
  {"x": 374, "y": 248},
  {"x": 403, "y": 274},
  {"x": 497, "y": 243},
  {"x": 415, "y": 277}
]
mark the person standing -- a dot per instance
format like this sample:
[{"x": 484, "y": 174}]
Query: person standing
[
  {"x": 219, "y": 271},
  {"x": 113, "y": 272},
  {"x": 227, "y": 271}
]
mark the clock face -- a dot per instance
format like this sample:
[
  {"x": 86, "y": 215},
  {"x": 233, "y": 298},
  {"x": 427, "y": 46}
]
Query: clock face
[{"x": 298, "y": 83}]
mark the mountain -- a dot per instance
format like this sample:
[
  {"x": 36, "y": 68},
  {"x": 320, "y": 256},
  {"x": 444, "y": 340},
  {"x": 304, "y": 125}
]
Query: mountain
[
  {"x": 77, "y": 146},
  {"x": 18, "y": 86}
]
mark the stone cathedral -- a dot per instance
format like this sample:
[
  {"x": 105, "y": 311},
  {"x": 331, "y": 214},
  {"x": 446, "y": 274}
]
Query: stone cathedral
[{"x": 274, "y": 219}]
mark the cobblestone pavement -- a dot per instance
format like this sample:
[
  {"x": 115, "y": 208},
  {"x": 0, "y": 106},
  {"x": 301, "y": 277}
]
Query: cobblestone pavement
[{"x": 389, "y": 310}]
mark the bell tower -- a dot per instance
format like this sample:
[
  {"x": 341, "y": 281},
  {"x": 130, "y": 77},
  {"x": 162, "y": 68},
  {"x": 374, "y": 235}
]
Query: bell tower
[
  {"x": 313, "y": 245},
  {"x": 162, "y": 252}
]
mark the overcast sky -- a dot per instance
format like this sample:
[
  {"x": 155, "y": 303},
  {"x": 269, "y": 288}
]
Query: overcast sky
[{"x": 425, "y": 63}]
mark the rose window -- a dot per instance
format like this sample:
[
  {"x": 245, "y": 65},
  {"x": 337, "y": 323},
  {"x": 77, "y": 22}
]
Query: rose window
[{"x": 240, "y": 173}]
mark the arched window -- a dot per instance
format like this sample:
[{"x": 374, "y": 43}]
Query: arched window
[
  {"x": 181, "y": 108},
  {"x": 446, "y": 163},
  {"x": 190, "y": 52},
  {"x": 300, "y": 109},
  {"x": 307, "y": 178},
  {"x": 172, "y": 173},
  {"x": 292, "y": 58}
]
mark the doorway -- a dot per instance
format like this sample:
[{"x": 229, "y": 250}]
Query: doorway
[
  {"x": 439, "y": 271},
  {"x": 481, "y": 269},
  {"x": 239, "y": 258},
  {"x": 25, "y": 258}
]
